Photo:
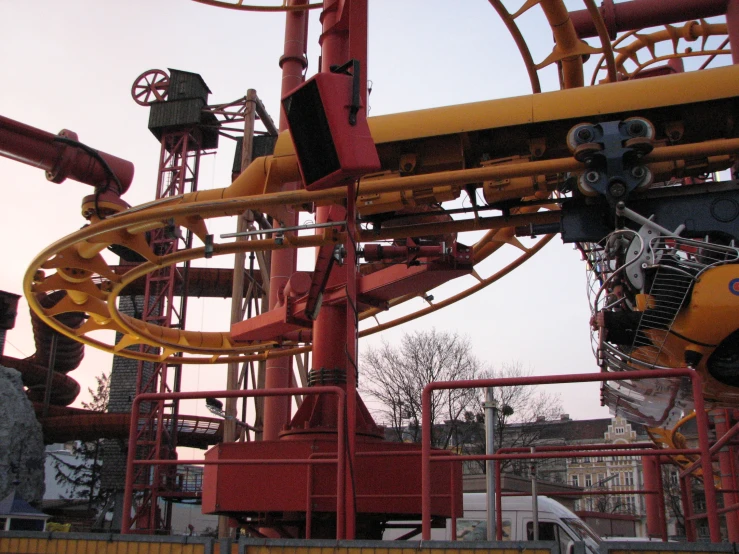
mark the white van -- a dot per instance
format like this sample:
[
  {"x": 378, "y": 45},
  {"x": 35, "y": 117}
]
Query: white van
[{"x": 556, "y": 523}]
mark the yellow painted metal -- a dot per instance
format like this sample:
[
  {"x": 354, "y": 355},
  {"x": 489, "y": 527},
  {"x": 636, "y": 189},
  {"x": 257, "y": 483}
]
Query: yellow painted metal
[
  {"x": 80, "y": 268},
  {"x": 640, "y": 42},
  {"x": 191, "y": 211},
  {"x": 32, "y": 545},
  {"x": 713, "y": 312},
  {"x": 581, "y": 103}
]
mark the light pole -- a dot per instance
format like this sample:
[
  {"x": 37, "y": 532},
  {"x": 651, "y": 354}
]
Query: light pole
[{"x": 491, "y": 407}]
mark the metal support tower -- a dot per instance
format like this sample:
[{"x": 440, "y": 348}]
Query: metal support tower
[{"x": 178, "y": 173}]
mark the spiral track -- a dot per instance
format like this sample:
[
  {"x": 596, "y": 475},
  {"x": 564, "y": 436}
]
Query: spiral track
[{"x": 93, "y": 286}]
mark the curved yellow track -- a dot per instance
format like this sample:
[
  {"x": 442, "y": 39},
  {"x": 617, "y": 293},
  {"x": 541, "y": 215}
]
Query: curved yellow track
[{"x": 94, "y": 288}]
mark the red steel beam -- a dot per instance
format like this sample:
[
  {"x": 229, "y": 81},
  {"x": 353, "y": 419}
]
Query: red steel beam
[
  {"x": 573, "y": 453},
  {"x": 701, "y": 420},
  {"x": 732, "y": 21},
  {"x": 721, "y": 419},
  {"x": 650, "y": 469},
  {"x": 638, "y": 14},
  {"x": 568, "y": 448},
  {"x": 199, "y": 395},
  {"x": 59, "y": 159}
]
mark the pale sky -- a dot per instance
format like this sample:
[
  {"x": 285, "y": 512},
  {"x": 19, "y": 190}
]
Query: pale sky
[{"x": 71, "y": 65}]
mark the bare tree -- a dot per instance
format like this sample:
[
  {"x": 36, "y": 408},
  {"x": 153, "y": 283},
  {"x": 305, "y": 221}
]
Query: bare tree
[
  {"x": 611, "y": 503},
  {"x": 396, "y": 375},
  {"x": 673, "y": 499},
  {"x": 521, "y": 409}
]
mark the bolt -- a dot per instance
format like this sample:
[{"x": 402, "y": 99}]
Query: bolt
[
  {"x": 592, "y": 176},
  {"x": 636, "y": 128},
  {"x": 617, "y": 189},
  {"x": 638, "y": 172},
  {"x": 584, "y": 134}
]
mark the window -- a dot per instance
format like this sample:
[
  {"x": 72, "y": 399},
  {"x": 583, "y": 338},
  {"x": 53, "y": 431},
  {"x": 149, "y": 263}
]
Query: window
[
  {"x": 616, "y": 480},
  {"x": 575, "y": 481},
  {"x": 586, "y": 459},
  {"x": 619, "y": 430},
  {"x": 588, "y": 481},
  {"x": 476, "y": 530},
  {"x": 628, "y": 478},
  {"x": 547, "y": 531},
  {"x": 630, "y": 505}
]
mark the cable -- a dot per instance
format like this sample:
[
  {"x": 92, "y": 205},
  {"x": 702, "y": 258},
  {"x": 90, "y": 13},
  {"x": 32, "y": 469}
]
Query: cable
[
  {"x": 96, "y": 155},
  {"x": 14, "y": 346}
]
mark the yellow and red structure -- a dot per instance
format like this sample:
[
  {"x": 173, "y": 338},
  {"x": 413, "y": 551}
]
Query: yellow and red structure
[{"x": 575, "y": 162}]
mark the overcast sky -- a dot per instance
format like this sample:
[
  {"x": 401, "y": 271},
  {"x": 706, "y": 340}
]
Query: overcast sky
[{"x": 71, "y": 65}]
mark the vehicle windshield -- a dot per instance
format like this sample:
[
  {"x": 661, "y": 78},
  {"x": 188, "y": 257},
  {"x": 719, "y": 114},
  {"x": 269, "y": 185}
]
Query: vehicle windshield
[{"x": 585, "y": 533}]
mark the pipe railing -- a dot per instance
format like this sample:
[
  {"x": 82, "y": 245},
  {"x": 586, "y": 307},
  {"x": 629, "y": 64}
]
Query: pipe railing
[
  {"x": 703, "y": 449},
  {"x": 340, "y": 459}
]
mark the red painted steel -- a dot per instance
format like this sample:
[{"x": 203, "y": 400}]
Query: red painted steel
[
  {"x": 352, "y": 375},
  {"x": 697, "y": 387},
  {"x": 179, "y": 164},
  {"x": 344, "y": 25},
  {"x": 332, "y": 331},
  {"x": 155, "y": 398},
  {"x": 284, "y": 262},
  {"x": 650, "y": 471},
  {"x": 732, "y": 20},
  {"x": 375, "y": 289},
  {"x": 60, "y": 161},
  {"x": 687, "y": 502},
  {"x": 563, "y": 454},
  {"x": 721, "y": 420},
  {"x": 638, "y": 14},
  {"x": 281, "y": 485}
]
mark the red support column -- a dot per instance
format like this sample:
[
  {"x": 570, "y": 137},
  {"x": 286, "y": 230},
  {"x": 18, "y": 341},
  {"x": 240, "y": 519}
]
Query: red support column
[
  {"x": 661, "y": 499},
  {"x": 334, "y": 340},
  {"x": 732, "y": 21},
  {"x": 701, "y": 419},
  {"x": 352, "y": 369},
  {"x": 728, "y": 479},
  {"x": 686, "y": 497},
  {"x": 284, "y": 262},
  {"x": 651, "y": 475}
]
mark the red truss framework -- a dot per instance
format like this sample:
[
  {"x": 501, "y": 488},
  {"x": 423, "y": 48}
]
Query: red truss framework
[{"x": 179, "y": 164}]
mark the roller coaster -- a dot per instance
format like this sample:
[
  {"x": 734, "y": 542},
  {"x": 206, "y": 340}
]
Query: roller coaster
[{"x": 637, "y": 170}]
